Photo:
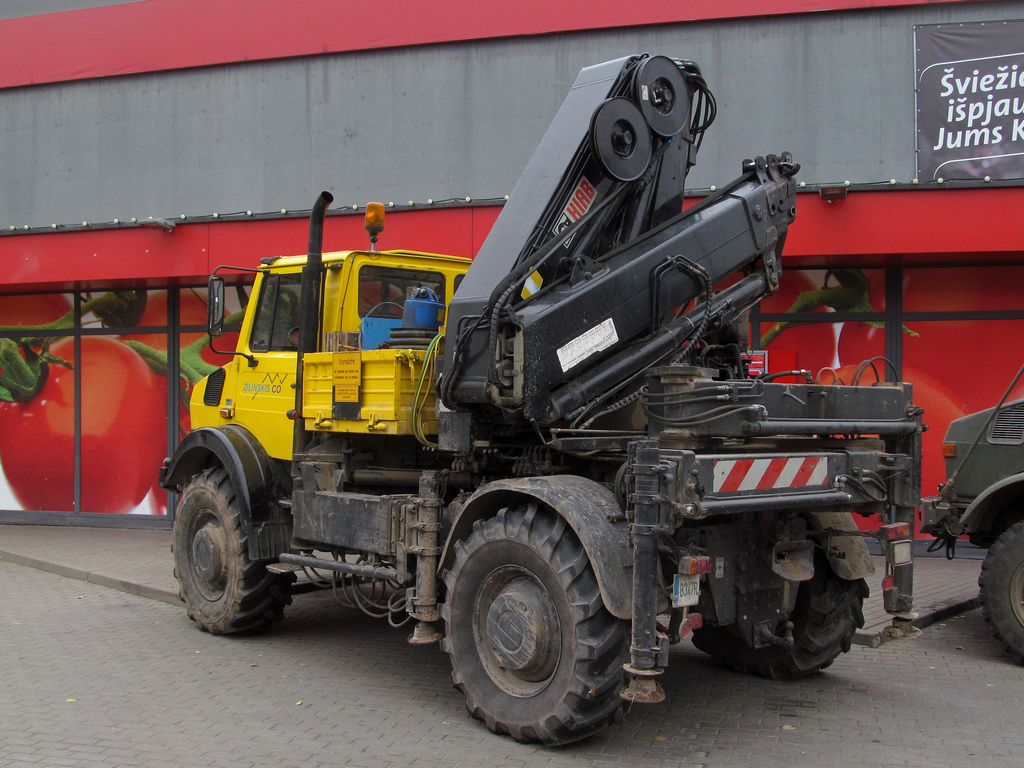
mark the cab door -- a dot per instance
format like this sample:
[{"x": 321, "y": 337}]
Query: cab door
[{"x": 264, "y": 393}]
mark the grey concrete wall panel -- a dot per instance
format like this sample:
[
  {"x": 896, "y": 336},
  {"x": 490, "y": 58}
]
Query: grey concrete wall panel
[
  {"x": 17, "y": 9},
  {"x": 444, "y": 121}
]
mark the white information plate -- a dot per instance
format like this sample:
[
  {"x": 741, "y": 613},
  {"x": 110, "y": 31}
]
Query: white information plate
[{"x": 597, "y": 339}]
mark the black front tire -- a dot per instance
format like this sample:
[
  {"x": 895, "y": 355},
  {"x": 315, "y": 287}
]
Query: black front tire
[
  {"x": 532, "y": 646},
  {"x": 1002, "y": 590},
  {"x": 829, "y": 610},
  {"x": 223, "y": 590}
]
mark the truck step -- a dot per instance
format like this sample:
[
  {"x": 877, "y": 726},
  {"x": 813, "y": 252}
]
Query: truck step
[{"x": 284, "y": 568}]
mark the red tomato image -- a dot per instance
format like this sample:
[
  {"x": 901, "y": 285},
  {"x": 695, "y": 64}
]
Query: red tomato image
[
  {"x": 940, "y": 408},
  {"x": 962, "y": 289},
  {"x": 974, "y": 359},
  {"x": 191, "y": 311},
  {"x": 814, "y": 343},
  {"x": 123, "y": 432},
  {"x": 861, "y": 341},
  {"x": 33, "y": 310}
]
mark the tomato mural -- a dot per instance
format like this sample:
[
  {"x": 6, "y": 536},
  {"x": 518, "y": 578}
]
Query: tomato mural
[
  {"x": 194, "y": 348},
  {"x": 957, "y": 363},
  {"x": 33, "y": 310},
  {"x": 191, "y": 312},
  {"x": 813, "y": 342},
  {"x": 123, "y": 423},
  {"x": 970, "y": 361},
  {"x": 124, "y": 394}
]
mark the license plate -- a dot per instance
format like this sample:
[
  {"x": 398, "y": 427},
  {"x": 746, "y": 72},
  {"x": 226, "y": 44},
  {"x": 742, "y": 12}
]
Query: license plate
[{"x": 685, "y": 590}]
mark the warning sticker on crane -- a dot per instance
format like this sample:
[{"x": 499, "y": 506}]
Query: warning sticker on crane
[
  {"x": 532, "y": 285},
  {"x": 770, "y": 474},
  {"x": 591, "y": 342}
]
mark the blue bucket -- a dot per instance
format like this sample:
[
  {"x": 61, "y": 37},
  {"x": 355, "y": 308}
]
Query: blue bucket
[{"x": 423, "y": 311}]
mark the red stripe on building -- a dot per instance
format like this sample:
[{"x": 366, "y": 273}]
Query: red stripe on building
[
  {"x": 158, "y": 35},
  {"x": 101, "y": 258},
  {"x": 914, "y": 221},
  {"x": 867, "y": 228}
]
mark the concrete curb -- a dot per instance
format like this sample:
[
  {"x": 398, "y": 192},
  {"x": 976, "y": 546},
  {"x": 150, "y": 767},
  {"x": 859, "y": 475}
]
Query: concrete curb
[
  {"x": 933, "y": 615},
  {"x": 942, "y": 612},
  {"x": 121, "y": 585}
]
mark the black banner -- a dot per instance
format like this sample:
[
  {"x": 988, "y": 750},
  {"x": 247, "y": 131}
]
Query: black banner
[{"x": 970, "y": 100}]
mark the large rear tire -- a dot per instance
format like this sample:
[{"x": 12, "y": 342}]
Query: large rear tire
[
  {"x": 1002, "y": 590},
  {"x": 223, "y": 590},
  {"x": 828, "y": 611},
  {"x": 532, "y": 646}
]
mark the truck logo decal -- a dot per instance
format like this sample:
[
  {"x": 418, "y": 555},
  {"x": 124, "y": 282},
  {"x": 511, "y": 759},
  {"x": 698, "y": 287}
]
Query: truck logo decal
[
  {"x": 770, "y": 474},
  {"x": 271, "y": 385},
  {"x": 579, "y": 203}
]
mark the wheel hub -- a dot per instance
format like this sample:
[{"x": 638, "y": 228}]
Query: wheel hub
[
  {"x": 522, "y": 627},
  {"x": 208, "y": 561},
  {"x": 1017, "y": 593}
]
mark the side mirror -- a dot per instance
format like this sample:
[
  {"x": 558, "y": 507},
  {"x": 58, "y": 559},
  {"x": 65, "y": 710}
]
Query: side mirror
[{"x": 215, "y": 306}]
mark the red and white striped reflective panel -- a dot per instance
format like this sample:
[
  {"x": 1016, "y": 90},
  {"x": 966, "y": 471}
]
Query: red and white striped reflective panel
[{"x": 767, "y": 474}]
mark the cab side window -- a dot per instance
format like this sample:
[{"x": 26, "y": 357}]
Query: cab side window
[
  {"x": 277, "y": 316},
  {"x": 383, "y": 290}
]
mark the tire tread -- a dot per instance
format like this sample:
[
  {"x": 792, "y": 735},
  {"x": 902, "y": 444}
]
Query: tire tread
[
  {"x": 1002, "y": 560},
  {"x": 590, "y": 700},
  {"x": 257, "y": 597},
  {"x": 829, "y": 611}
]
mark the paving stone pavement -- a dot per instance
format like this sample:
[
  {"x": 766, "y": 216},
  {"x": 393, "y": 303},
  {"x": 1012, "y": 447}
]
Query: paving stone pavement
[
  {"x": 92, "y": 676},
  {"x": 139, "y": 562}
]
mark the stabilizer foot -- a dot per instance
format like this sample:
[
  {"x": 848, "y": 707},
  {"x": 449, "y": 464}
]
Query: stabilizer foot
[
  {"x": 642, "y": 688},
  {"x": 425, "y": 633},
  {"x": 902, "y": 627}
]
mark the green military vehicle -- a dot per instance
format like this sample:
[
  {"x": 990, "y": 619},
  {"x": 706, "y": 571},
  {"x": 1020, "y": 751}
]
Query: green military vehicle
[{"x": 983, "y": 498}]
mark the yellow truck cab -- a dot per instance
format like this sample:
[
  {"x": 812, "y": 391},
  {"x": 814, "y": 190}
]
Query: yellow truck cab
[{"x": 360, "y": 379}]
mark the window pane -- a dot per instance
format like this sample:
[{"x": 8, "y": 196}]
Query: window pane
[
  {"x": 383, "y": 290},
  {"x": 37, "y": 451},
  {"x": 124, "y": 427},
  {"x": 35, "y": 309},
  {"x": 277, "y": 316},
  {"x": 37, "y": 440},
  {"x": 963, "y": 289},
  {"x": 958, "y": 367}
]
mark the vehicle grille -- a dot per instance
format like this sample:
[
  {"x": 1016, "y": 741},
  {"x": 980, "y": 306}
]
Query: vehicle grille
[
  {"x": 1008, "y": 426},
  {"x": 214, "y": 387}
]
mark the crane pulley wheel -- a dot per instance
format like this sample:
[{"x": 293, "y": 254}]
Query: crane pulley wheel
[
  {"x": 663, "y": 96},
  {"x": 621, "y": 139}
]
